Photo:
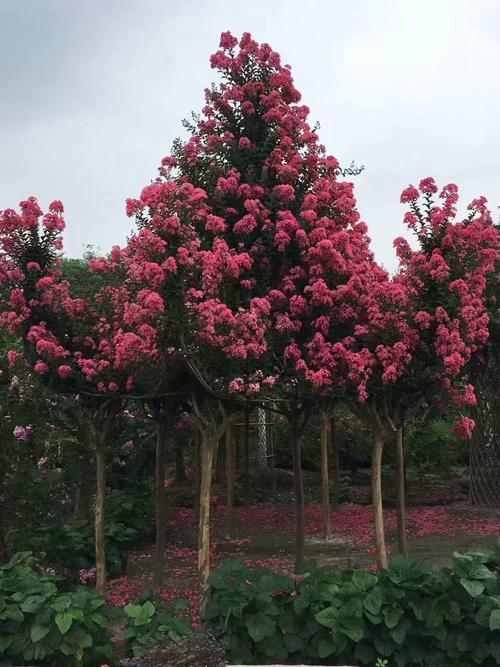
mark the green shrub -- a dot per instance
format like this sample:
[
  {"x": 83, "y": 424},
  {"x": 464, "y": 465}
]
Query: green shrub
[
  {"x": 40, "y": 624},
  {"x": 410, "y": 614},
  {"x": 69, "y": 546},
  {"x": 151, "y": 621}
]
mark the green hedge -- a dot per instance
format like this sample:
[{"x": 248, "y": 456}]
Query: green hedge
[
  {"x": 41, "y": 623},
  {"x": 410, "y": 614}
]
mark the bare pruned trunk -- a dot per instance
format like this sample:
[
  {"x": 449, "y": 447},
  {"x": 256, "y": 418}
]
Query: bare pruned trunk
[
  {"x": 197, "y": 474},
  {"x": 377, "y": 450},
  {"x": 229, "y": 481},
  {"x": 325, "y": 487},
  {"x": 299, "y": 494},
  {"x": 401, "y": 496},
  {"x": 334, "y": 448},
  {"x": 101, "y": 444},
  {"x": 246, "y": 457},
  {"x": 208, "y": 449},
  {"x": 212, "y": 420},
  {"x": 161, "y": 503}
]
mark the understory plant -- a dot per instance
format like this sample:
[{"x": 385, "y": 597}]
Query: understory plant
[
  {"x": 42, "y": 623},
  {"x": 408, "y": 615}
]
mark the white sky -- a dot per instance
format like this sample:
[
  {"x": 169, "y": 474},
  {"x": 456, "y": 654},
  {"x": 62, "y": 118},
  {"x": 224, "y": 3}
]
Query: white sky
[{"x": 93, "y": 92}]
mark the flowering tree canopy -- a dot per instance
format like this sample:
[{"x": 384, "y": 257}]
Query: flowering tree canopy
[{"x": 261, "y": 233}]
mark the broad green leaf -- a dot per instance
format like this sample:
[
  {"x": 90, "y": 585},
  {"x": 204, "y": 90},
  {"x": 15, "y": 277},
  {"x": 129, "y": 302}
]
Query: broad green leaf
[
  {"x": 327, "y": 617},
  {"x": 473, "y": 588},
  {"x": 148, "y": 609},
  {"x": 392, "y": 616},
  {"x": 259, "y": 626},
  {"x": 495, "y": 620},
  {"x": 64, "y": 620},
  {"x": 38, "y": 632},
  {"x": 326, "y": 647},
  {"x": 364, "y": 580}
]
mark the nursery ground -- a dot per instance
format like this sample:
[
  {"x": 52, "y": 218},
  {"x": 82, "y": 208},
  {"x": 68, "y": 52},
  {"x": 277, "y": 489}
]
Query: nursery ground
[{"x": 263, "y": 535}]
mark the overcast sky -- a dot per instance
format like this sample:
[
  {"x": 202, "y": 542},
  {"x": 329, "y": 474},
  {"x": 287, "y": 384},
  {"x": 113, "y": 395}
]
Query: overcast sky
[{"x": 92, "y": 93}]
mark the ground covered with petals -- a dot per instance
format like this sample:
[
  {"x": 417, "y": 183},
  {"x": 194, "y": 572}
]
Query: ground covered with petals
[{"x": 263, "y": 535}]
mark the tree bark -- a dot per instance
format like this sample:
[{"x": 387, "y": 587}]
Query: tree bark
[
  {"x": 246, "y": 455},
  {"x": 325, "y": 489},
  {"x": 299, "y": 495},
  {"x": 334, "y": 445},
  {"x": 161, "y": 503},
  {"x": 100, "y": 515},
  {"x": 401, "y": 500},
  {"x": 208, "y": 448},
  {"x": 229, "y": 481},
  {"x": 377, "y": 450},
  {"x": 197, "y": 474},
  {"x": 180, "y": 469}
]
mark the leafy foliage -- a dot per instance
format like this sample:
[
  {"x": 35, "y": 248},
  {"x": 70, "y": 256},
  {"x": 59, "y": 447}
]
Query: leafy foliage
[
  {"x": 151, "y": 620},
  {"x": 410, "y": 615},
  {"x": 41, "y": 624}
]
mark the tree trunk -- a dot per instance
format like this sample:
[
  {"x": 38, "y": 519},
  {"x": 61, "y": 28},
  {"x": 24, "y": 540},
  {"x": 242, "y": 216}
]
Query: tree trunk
[
  {"x": 401, "y": 502},
  {"x": 161, "y": 504},
  {"x": 100, "y": 515},
  {"x": 246, "y": 454},
  {"x": 180, "y": 469},
  {"x": 229, "y": 481},
  {"x": 335, "y": 463},
  {"x": 208, "y": 448},
  {"x": 325, "y": 490},
  {"x": 197, "y": 474},
  {"x": 377, "y": 450},
  {"x": 299, "y": 496}
]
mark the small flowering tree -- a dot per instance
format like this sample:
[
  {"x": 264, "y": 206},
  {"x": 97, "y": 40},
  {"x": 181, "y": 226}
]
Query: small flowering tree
[
  {"x": 263, "y": 237},
  {"x": 74, "y": 343},
  {"x": 422, "y": 327}
]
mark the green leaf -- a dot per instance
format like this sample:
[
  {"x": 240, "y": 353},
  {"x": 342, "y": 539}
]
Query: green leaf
[
  {"x": 327, "y": 617},
  {"x": 392, "y": 616},
  {"x": 32, "y": 603},
  {"x": 352, "y": 630},
  {"x": 473, "y": 588},
  {"x": 100, "y": 620},
  {"x": 259, "y": 626},
  {"x": 133, "y": 610},
  {"x": 495, "y": 620},
  {"x": 326, "y": 647},
  {"x": 64, "y": 620},
  {"x": 148, "y": 609},
  {"x": 38, "y": 632},
  {"x": 293, "y": 644},
  {"x": 373, "y": 602},
  {"x": 399, "y": 633},
  {"x": 363, "y": 580},
  {"x": 5, "y": 642},
  {"x": 180, "y": 604},
  {"x": 365, "y": 653},
  {"x": 62, "y": 603}
]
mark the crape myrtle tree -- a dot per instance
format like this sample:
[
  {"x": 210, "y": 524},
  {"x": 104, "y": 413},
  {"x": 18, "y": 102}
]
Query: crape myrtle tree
[
  {"x": 273, "y": 241},
  {"x": 74, "y": 343},
  {"x": 422, "y": 327},
  {"x": 148, "y": 300}
]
